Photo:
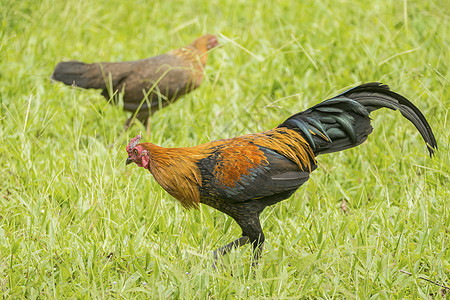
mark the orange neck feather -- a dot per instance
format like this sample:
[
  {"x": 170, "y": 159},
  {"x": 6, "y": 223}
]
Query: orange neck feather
[
  {"x": 175, "y": 170},
  {"x": 197, "y": 58}
]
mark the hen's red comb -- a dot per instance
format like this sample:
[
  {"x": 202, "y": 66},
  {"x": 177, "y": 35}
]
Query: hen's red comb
[{"x": 133, "y": 143}]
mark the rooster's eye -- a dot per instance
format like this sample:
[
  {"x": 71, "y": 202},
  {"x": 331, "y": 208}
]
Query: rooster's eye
[{"x": 135, "y": 151}]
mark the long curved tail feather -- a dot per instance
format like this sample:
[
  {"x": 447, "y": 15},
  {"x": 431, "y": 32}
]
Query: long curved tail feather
[{"x": 343, "y": 121}]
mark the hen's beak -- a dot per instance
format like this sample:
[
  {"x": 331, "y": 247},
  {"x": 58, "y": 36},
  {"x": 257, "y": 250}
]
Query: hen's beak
[{"x": 129, "y": 161}]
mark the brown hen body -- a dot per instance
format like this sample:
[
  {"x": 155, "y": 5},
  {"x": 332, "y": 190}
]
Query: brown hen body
[{"x": 147, "y": 84}]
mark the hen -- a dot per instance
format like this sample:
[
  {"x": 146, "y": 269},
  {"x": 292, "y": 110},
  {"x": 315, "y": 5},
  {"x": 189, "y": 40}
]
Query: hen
[
  {"x": 147, "y": 84},
  {"x": 241, "y": 176}
]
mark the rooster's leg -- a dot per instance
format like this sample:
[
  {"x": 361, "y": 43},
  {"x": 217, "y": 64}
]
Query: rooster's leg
[
  {"x": 251, "y": 233},
  {"x": 258, "y": 245},
  {"x": 251, "y": 227},
  {"x": 227, "y": 248}
]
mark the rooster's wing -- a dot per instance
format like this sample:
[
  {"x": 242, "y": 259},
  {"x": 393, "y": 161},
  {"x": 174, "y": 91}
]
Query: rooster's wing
[{"x": 239, "y": 172}]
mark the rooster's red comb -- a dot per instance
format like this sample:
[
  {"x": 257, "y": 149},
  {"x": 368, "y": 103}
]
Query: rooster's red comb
[{"x": 133, "y": 143}]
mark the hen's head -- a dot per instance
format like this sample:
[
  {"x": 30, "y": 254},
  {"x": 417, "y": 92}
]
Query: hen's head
[
  {"x": 137, "y": 153},
  {"x": 206, "y": 42}
]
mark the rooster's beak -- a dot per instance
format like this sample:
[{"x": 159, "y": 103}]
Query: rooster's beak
[{"x": 129, "y": 161}]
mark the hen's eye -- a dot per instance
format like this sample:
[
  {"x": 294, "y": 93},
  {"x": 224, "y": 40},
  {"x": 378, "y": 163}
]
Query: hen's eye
[{"x": 135, "y": 151}]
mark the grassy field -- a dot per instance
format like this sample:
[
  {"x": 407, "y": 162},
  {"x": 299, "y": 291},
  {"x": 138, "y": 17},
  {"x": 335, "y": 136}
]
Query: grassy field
[{"x": 76, "y": 223}]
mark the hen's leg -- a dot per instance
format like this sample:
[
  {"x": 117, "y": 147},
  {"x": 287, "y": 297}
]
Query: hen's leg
[
  {"x": 142, "y": 115},
  {"x": 127, "y": 123}
]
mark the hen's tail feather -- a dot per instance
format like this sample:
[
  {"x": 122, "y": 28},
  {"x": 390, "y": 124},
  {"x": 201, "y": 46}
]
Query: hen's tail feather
[
  {"x": 343, "y": 121},
  {"x": 79, "y": 74}
]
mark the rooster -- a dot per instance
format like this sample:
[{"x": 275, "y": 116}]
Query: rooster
[
  {"x": 147, "y": 84},
  {"x": 241, "y": 176}
]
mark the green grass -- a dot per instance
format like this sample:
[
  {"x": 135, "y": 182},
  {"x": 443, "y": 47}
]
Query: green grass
[{"x": 76, "y": 223}]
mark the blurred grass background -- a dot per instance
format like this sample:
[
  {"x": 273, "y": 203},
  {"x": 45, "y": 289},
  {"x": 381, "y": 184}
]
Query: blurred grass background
[{"x": 75, "y": 223}]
